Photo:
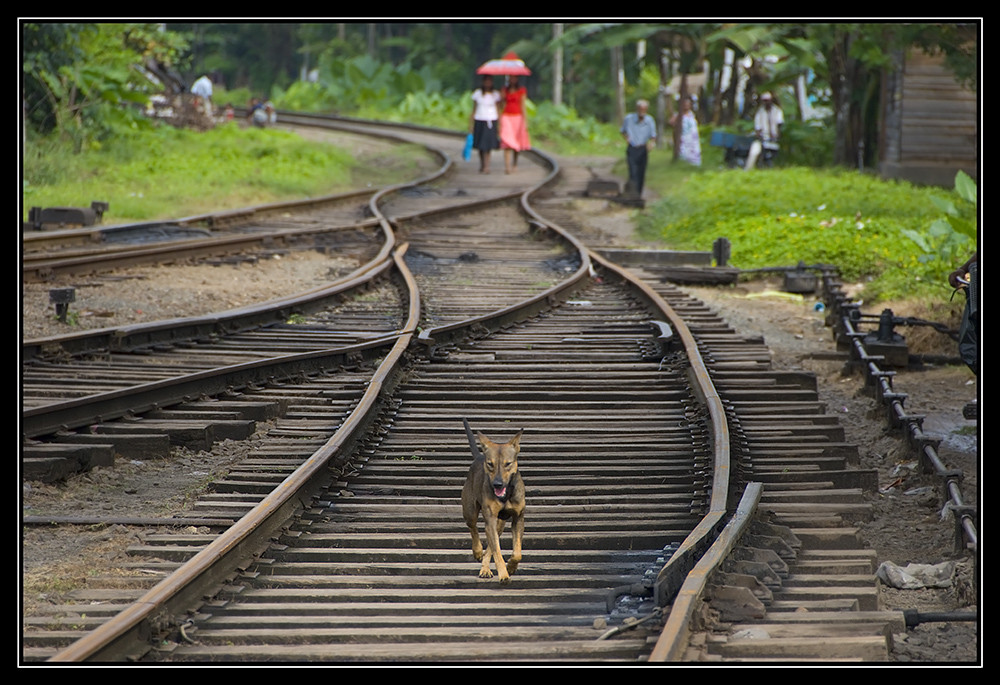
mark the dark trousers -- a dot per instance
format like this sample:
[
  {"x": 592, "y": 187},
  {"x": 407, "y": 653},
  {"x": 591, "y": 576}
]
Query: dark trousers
[
  {"x": 636, "y": 156},
  {"x": 968, "y": 332}
]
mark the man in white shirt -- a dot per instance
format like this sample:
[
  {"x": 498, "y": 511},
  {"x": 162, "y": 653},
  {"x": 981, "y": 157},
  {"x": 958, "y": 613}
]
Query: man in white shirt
[
  {"x": 767, "y": 125},
  {"x": 639, "y": 129}
]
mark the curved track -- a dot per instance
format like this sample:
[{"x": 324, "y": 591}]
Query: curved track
[{"x": 649, "y": 429}]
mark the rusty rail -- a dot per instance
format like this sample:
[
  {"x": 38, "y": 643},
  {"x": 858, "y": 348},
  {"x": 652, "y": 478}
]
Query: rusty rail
[{"x": 129, "y": 631}]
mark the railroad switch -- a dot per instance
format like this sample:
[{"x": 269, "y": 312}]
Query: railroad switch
[
  {"x": 721, "y": 250},
  {"x": 800, "y": 281},
  {"x": 599, "y": 187},
  {"x": 66, "y": 217},
  {"x": 61, "y": 297},
  {"x": 887, "y": 343}
]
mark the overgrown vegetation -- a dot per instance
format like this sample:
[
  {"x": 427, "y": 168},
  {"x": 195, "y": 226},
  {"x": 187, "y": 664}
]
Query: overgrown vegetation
[{"x": 887, "y": 234}]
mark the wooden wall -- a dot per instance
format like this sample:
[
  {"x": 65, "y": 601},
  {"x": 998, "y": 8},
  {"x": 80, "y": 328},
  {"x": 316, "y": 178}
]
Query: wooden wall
[{"x": 929, "y": 123}]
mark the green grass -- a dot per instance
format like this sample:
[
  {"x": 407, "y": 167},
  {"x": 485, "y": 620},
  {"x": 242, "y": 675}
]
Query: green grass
[
  {"x": 782, "y": 216},
  {"x": 168, "y": 172}
]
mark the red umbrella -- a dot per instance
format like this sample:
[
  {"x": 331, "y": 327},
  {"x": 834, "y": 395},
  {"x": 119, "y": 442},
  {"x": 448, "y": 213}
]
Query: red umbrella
[{"x": 509, "y": 65}]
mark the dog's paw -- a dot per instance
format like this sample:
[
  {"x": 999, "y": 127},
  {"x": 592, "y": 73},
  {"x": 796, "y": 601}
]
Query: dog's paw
[
  {"x": 504, "y": 579},
  {"x": 485, "y": 573},
  {"x": 511, "y": 567}
]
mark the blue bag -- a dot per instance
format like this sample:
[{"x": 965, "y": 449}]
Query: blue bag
[{"x": 467, "y": 152}]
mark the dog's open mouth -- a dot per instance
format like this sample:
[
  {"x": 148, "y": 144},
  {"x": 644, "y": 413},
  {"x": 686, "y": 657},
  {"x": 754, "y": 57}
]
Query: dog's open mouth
[{"x": 500, "y": 490}]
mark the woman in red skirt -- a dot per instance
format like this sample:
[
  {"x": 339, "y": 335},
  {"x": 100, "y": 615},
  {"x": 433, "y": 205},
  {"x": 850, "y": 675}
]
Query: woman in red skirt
[{"x": 513, "y": 123}]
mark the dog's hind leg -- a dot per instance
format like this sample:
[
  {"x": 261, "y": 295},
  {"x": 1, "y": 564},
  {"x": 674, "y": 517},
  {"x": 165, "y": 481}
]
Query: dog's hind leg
[{"x": 470, "y": 512}]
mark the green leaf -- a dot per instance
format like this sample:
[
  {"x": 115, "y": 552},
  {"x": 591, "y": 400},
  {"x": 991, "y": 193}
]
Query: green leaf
[
  {"x": 965, "y": 187},
  {"x": 963, "y": 226},
  {"x": 945, "y": 205},
  {"x": 940, "y": 228},
  {"x": 917, "y": 238}
]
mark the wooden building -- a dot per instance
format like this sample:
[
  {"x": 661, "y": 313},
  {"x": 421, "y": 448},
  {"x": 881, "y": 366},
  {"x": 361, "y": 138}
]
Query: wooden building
[{"x": 930, "y": 123}]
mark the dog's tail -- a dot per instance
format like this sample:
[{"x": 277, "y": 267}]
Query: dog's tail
[{"x": 472, "y": 439}]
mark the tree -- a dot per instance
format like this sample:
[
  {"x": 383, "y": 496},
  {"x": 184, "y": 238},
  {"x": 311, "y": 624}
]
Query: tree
[
  {"x": 80, "y": 78},
  {"x": 855, "y": 56}
]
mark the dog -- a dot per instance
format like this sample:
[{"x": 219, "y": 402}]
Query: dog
[{"x": 494, "y": 487}]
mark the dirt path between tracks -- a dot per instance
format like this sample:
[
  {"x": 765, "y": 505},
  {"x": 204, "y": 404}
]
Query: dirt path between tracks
[{"x": 909, "y": 526}]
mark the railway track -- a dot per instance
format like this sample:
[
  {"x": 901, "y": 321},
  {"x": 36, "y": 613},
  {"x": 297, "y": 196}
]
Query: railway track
[{"x": 684, "y": 498}]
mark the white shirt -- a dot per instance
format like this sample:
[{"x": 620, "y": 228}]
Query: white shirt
[
  {"x": 486, "y": 105},
  {"x": 767, "y": 121},
  {"x": 202, "y": 87}
]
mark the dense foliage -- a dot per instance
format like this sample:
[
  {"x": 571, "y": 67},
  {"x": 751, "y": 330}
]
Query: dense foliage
[{"x": 87, "y": 82}]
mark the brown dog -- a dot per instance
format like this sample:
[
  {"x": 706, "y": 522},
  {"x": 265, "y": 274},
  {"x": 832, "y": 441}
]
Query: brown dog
[{"x": 494, "y": 487}]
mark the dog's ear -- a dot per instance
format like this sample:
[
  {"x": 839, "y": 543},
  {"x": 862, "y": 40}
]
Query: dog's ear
[
  {"x": 515, "y": 442},
  {"x": 484, "y": 441}
]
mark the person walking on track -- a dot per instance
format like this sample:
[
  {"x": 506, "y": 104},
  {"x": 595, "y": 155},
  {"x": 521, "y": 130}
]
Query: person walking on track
[{"x": 513, "y": 123}]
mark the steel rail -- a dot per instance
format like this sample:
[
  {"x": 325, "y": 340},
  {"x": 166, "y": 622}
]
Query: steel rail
[
  {"x": 189, "y": 327},
  {"x": 705, "y": 534},
  {"x": 673, "y": 572},
  {"x": 96, "y": 234},
  {"x": 137, "y": 399},
  {"x": 495, "y": 320},
  {"x": 129, "y": 631},
  {"x": 681, "y": 561},
  {"x": 38, "y": 268},
  {"x": 676, "y": 631},
  {"x": 42, "y": 268},
  {"x": 186, "y": 328}
]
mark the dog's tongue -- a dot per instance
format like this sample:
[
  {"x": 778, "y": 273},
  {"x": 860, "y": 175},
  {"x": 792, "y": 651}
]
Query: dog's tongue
[{"x": 500, "y": 491}]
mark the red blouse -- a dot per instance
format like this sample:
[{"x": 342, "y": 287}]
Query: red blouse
[{"x": 513, "y": 100}]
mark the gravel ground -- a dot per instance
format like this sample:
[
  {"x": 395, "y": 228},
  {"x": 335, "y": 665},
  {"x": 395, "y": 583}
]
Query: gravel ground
[{"x": 908, "y": 525}]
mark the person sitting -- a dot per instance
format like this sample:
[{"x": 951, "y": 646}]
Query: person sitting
[
  {"x": 767, "y": 125},
  {"x": 257, "y": 114}
]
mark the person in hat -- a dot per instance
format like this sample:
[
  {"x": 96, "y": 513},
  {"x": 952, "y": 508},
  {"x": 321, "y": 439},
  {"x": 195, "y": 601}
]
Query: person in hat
[
  {"x": 513, "y": 123},
  {"x": 767, "y": 125},
  {"x": 484, "y": 121}
]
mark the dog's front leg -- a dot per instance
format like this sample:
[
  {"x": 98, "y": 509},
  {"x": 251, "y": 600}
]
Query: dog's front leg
[
  {"x": 477, "y": 545},
  {"x": 493, "y": 527},
  {"x": 517, "y": 531}
]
